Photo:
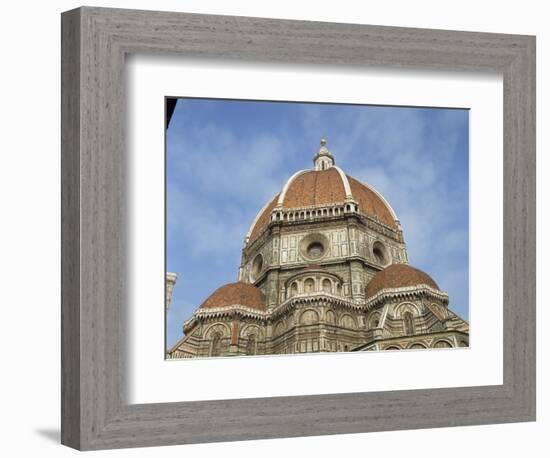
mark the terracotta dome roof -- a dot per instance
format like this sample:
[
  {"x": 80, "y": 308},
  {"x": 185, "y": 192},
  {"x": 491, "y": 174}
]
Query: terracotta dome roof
[
  {"x": 324, "y": 187},
  {"x": 262, "y": 220},
  {"x": 371, "y": 203},
  {"x": 239, "y": 293},
  {"x": 314, "y": 187},
  {"x": 399, "y": 276}
]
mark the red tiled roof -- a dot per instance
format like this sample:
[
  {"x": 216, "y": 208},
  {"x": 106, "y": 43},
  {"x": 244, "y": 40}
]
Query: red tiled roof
[
  {"x": 239, "y": 293},
  {"x": 315, "y": 187},
  {"x": 325, "y": 187},
  {"x": 370, "y": 203},
  {"x": 398, "y": 276},
  {"x": 263, "y": 219}
]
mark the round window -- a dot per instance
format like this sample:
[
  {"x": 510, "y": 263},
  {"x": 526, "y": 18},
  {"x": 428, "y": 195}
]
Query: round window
[
  {"x": 257, "y": 266},
  {"x": 379, "y": 253},
  {"x": 313, "y": 247},
  {"x": 315, "y": 250}
]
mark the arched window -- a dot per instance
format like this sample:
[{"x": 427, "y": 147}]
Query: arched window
[
  {"x": 293, "y": 289},
  {"x": 309, "y": 317},
  {"x": 417, "y": 346},
  {"x": 251, "y": 345},
  {"x": 393, "y": 347},
  {"x": 309, "y": 285},
  {"x": 442, "y": 344},
  {"x": 374, "y": 321},
  {"x": 327, "y": 287},
  {"x": 408, "y": 323},
  {"x": 215, "y": 345},
  {"x": 347, "y": 321}
]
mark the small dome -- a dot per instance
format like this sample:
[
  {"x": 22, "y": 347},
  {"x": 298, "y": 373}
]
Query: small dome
[
  {"x": 399, "y": 276},
  {"x": 239, "y": 293}
]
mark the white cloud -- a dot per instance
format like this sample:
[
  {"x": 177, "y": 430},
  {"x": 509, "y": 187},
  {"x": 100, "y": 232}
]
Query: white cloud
[
  {"x": 214, "y": 230},
  {"x": 224, "y": 163}
]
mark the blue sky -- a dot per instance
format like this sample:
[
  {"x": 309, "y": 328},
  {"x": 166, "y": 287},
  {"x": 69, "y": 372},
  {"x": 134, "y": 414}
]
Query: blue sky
[{"x": 226, "y": 159}]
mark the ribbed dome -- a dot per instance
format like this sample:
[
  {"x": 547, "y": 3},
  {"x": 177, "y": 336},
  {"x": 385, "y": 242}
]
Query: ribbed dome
[
  {"x": 399, "y": 276},
  {"x": 314, "y": 187},
  {"x": 239, "y": 293},
  {"x": 310, "y": 188},
  {"x": 262, "y": 220},
  {"x": 371, "y": 203}
]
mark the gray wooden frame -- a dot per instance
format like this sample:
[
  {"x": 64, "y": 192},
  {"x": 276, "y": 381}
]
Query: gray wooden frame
[{"x": 95, "y": 413}]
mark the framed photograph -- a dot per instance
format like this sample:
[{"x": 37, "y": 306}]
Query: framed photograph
[{"x": 257, "y": 213}]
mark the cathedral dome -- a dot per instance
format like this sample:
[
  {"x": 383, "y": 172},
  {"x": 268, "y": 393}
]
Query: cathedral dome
[
  {"x": 238, "y": 293},
  {"x": 324, "y": 185},
  {"x": 399, "y": 276}
]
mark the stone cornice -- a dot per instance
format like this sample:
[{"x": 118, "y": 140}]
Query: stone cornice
[
  {"x": 305, "y": 271},
  {"x": 413, "y": 338},
  {"x": 406, "y": 293},
  {"x": 241, "y": 311},
  {"x": 307, "y": 298},
  {"x": 247, "y": 312},
  {"x": 370, "y": 222},
  {"x": 392, "y": 294},
  {"x": 299, "y": 266}
]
